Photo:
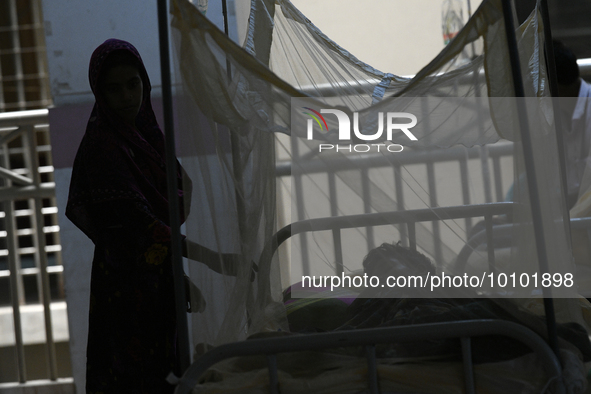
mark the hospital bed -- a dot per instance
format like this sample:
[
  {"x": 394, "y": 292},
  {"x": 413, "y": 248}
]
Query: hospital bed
[{"x": 273, "y": 362}]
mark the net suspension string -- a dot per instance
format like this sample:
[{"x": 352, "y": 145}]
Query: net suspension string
[
  {"x": 235, "y": 147},
  {"x": 558, "y": 122},
  {"x": 536, "y": 209},
  {"x": 184, "y": 357},
  {"x": 236, "y": 158}
]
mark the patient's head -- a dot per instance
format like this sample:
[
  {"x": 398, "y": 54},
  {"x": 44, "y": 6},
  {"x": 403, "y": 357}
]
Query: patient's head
[
  {"x": 567, "y": 70},
  {"x": 389, "y": 259}
]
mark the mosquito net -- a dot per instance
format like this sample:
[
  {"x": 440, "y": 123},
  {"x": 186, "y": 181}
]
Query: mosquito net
[{"x": 283, "y": 129}]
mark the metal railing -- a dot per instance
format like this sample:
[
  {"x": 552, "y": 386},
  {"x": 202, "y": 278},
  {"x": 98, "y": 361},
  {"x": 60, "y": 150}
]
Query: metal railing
[
  {"x": 30, "y": 235},
  {"x": 369, "y": 338}
]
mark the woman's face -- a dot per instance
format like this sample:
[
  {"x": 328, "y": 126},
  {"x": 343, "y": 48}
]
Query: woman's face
[{"x": 123, "y": 91}]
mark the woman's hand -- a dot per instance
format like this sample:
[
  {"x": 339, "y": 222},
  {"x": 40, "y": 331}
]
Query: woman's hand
[
  {"x": 222, "y": 263},
  {"x": 193, "y": 296},
  {"x": 232, "y": 262}
]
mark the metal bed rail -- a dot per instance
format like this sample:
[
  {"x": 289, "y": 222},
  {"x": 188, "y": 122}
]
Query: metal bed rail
[
  {"x": 369, "y": 338},
  {"x": 492, "y": 234},
  {"x": 408, "y": 219}
]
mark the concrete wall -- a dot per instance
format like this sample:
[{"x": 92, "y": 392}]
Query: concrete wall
[{"x": 74, "y": 28}]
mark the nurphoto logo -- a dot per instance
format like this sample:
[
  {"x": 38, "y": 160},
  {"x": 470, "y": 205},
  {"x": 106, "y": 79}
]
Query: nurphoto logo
[{"x": 344, "y": 130}]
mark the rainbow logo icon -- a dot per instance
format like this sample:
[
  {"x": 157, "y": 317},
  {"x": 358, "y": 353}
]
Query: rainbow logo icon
[{"x": 317, "y": 117}]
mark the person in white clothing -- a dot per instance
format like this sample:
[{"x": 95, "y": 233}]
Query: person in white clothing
[{"x": 575, "y": 119}]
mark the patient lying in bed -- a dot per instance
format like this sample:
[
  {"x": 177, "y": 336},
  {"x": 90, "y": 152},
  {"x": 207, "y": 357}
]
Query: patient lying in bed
[
  {"x": 426, "y": 366},
  {"x": 383, "y": 306}
]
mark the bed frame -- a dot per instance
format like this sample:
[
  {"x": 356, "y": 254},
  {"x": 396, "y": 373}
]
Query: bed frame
[{"x": 369, "y": 338}]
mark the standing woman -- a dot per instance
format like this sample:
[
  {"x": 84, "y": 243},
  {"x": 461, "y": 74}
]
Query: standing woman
[{"x": 118, "y": 198}]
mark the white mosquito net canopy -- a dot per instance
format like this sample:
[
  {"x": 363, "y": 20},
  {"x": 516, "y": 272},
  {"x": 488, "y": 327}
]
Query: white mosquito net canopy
[{"x": 261, "y": 136}]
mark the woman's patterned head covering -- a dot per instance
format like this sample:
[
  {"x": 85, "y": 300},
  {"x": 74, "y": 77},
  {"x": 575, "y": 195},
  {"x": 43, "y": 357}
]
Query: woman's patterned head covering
[{"x": 117, "y": 161}]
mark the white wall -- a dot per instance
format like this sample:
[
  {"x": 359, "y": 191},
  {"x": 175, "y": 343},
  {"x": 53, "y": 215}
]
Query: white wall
[{"x": 395, "y": 36}]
